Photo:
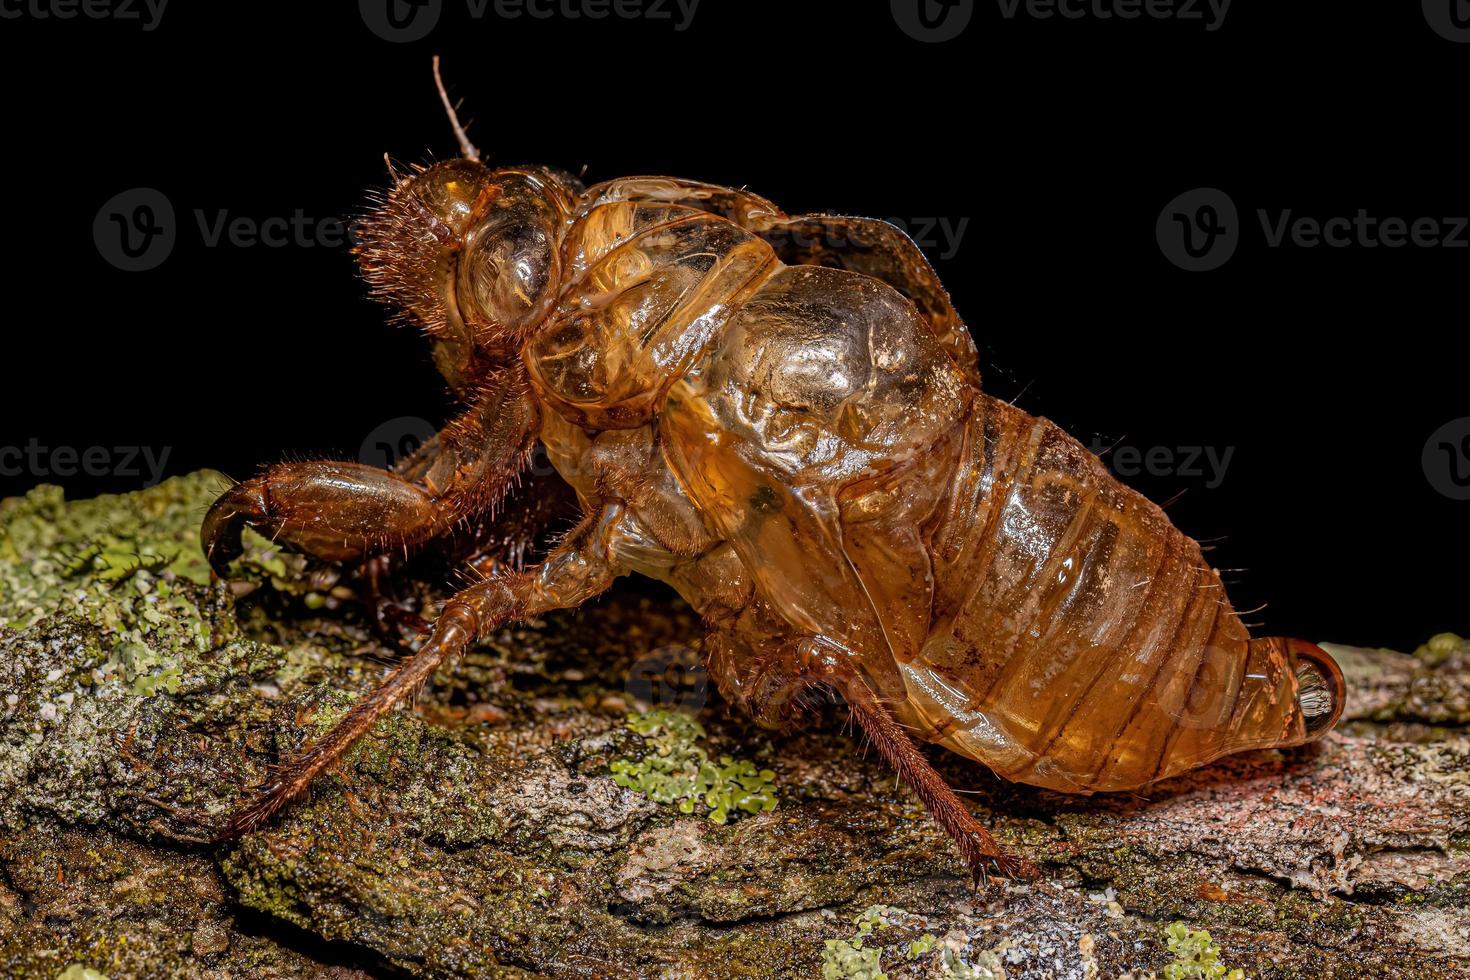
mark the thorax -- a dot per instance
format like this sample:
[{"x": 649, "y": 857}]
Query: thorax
[{"x": 649, "y": 288}]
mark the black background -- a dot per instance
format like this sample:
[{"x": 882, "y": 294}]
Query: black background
[{"x": 1060, "y": 141}]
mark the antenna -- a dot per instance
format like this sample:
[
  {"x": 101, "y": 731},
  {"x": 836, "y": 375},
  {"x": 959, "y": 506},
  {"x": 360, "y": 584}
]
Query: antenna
[{"x": 466, "y": 148}]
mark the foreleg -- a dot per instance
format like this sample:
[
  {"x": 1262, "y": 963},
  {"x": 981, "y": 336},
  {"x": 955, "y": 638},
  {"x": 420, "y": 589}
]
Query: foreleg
[{"x": 340, "y": 511}]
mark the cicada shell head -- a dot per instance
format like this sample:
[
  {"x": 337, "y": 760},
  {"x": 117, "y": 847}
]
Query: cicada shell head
[{"x": 468, "y": 254}]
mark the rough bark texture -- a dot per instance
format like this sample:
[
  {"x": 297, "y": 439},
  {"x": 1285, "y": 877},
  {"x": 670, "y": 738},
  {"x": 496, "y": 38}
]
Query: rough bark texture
[{"x": 485, "y": 834}]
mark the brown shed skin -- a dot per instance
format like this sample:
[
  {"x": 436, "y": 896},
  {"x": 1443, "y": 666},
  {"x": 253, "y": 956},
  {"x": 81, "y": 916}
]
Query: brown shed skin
[{"x": 783, "y": 418}]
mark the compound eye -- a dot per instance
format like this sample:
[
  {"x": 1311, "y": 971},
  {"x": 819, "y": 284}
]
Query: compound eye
[{"x": 508, "y": 271}]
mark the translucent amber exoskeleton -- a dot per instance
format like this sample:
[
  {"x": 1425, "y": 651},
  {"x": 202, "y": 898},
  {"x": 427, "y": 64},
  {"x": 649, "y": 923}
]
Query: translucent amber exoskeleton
[{"x": 782, "y": 417}]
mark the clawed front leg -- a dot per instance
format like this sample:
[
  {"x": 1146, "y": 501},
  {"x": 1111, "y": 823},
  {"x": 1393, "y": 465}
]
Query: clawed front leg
[
  {"x": 331, "y": 510},
  {"x": 580, "y": 567},
  {"x": 341, "y": 511}
]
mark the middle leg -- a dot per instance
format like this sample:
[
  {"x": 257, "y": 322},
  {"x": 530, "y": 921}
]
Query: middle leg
[{"x": 581, "y": 566}]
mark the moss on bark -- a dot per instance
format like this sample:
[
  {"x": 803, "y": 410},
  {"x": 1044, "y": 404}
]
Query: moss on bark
[{"x": 484, "y": 834}]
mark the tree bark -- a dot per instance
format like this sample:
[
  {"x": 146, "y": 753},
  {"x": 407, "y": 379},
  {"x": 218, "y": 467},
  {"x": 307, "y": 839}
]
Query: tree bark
[{"x": 484, "y": 833}]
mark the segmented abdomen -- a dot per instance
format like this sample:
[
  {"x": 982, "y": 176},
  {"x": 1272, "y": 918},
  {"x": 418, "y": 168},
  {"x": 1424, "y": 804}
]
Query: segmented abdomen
[{"x": 1078, "y": 640}]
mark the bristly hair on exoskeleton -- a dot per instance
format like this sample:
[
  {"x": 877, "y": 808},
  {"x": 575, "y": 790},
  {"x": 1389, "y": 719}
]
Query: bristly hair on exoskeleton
[
  {"x": 404, "y": 249},
  {"x": 409, "y": 247},
  {"x": 502, "y": 419},
  {"x": 405, "y": 252}
]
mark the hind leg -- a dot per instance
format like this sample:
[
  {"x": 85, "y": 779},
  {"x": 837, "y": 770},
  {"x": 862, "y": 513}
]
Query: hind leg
[
  {"x": 976, "y": 845},
  {"x": 769, "y": 678}
]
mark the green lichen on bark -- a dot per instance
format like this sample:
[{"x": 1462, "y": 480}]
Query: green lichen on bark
[
  {"x": 675, "y": 768},
  {"x": 485, "y": 834},
  {"x": 952, "y": 957},
  {"x": 1196, "y": 957}
]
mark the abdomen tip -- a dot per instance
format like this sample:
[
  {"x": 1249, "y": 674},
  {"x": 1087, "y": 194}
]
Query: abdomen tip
[{"x": 1320, "y": 688}]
